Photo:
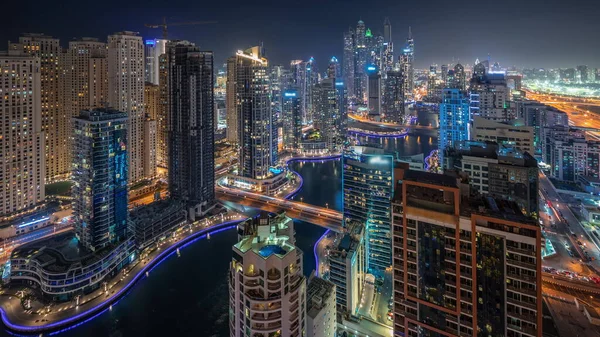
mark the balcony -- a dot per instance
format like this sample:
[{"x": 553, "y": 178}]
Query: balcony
[
  {"x": 522, "y": 264},
  {"x": 273, "y": 276},
  {"x": 521, "y": 277},
  {"x": 520, "y": 251},
  {"x": 260, "y": 317},
  {"x": 530, "y": 292},
  {"x": 528, "y": 330},
  {"x": 528, "y": 305}
]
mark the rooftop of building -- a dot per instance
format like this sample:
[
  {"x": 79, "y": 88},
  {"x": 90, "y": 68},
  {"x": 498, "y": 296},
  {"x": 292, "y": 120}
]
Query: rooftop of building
[
  {"x": 318, "y": 292},
  {"x": 430, "y": 178},
  {"x": 350, "y": 241},
  {"x": 262, "y": 235},
  {"x": 504, "y": 153},
  {"x": 155, "y": 209},
  {"x": 101, "y": 114},
  {"x": 61, "y": 252}
]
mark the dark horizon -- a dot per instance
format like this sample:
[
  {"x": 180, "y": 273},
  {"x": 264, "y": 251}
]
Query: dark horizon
[{"x": 514, "y": 33}]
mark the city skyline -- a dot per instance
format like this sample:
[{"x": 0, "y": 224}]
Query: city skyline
[{"x": 525, "y": 36}]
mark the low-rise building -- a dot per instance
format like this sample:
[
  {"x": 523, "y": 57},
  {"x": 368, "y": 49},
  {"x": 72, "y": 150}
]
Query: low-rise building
[
  {"x": 320, "y": 308},
  {"x": 153, "y": 221},
  {"x": 63, "y": 268}
]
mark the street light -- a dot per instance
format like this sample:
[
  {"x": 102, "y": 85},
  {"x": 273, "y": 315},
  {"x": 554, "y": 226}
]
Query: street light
[{"x": 327, "y": 204}]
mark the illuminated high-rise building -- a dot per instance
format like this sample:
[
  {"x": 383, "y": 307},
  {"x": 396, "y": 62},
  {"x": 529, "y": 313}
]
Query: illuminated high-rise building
[
  {"x": 126, "y": 93},
  {"x": 360, "y": 66},
  {"x": 349, "y": 62},
  {"x": 329, "y": 117},
  {"x": 83, "y": 79},
  {"x": 582, "y": 72},
  {"x": 254, "y": 114},
  {"x": 100, "y": 177},
  {"x": 489, "y": 97},
  {"x": 444, "y": 73},
  {"x": 267, "y": 290},
  {"x": 191, "y": 129},
  {"x": 334, "y": 70},
  {"x": 231, "y": 104},
  {"x": 151, "y": 141},
  {"x": 454, "y": 119},
  {"x": 406, "y": 64},
  {"x": 367, "y": 184},
  {"x": 291, "y": 118},
  {"x": 387, "y": 62},
  {"x": 374, "y": 92},
  {"x": 393, "y": 99},
  {"x": 153, "y": 50},
  {"x": 374, "y": 49},
  {"x": 22, "y": 161},
  {"x": 54, "y": 121},
  {"x": 456, "y": 78},
  {"x": 464, "y": 265},
  {"x": 162, "y": 118}
]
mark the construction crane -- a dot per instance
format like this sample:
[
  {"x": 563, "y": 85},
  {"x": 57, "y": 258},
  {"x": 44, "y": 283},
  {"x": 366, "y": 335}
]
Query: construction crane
[{"x": 164, "y": 25}]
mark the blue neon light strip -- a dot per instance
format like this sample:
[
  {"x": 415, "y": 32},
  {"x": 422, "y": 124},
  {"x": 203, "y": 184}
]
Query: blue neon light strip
[
  {"x": 121, "y": 293},
  {"x": 34, "y": 222},
  {"x": 315, "y": 251}
]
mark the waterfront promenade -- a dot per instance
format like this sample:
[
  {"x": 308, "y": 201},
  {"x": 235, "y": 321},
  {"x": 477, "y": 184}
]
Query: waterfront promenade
[{"x": 67, "y": 315}]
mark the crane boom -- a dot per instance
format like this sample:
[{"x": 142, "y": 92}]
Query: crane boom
[{"x": 164, "y": 25}]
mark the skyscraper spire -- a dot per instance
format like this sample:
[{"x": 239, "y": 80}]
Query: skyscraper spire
[
  {"x": 387, "y": 30},
  {"x": 409, "y": 33}
]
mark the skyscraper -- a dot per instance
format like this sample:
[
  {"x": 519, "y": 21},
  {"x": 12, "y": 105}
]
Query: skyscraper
[
  {"x": 254, "y": 113},
  {"x": 126, "y": 93},
  {"x": 329, "y": 118},
  {"x": 388, "y": 48},
  {"x": 360, "y": 67},
  {"x": 233, "y": 135},
  {"x": 393, "y": 99},
  {"x": 349, "y": 62},
  {"x": 22, "y": 161},
  {"x": 457, "y": 80},
  {"x": 334, "y": 70},
  {"x": 162, "y": 118},
  {"x": 191, "y": 126},
  {"x": 153, "y": 50},
  {"x": 100, "y": 177},
  {"x": 444, "y": 73},
  {"x": 406, "y": 64},
  {"x": 374, "y": 92},
  {"x": 83, "y": 79},
  {"x": 54, "y": 121},
  {"x": 150, "y": 139},
  {"x": 267, "y": 290},
  {"x": 489, "y": 96},
  {"x": 367, "y": 184},
  {"x": 454, "y": 119},
  {"x": 291, "y": 119},
  {"x": 463, "y": 265}
]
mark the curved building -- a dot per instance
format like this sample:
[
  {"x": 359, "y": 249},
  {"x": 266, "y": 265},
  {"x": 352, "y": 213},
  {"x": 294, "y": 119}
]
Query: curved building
[{"x": 267, "y": 290}]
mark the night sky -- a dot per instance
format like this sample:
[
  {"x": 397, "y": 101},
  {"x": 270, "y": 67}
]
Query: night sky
[{"x": 525, "y": 33}]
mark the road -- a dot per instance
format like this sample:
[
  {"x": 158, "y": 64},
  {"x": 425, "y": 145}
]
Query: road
[
  {"x": 575, "y": 109},
  {"x": 387, "y": 124},
  {"x": 567, "y": 226},
  {"x": 10, "y": 244}
]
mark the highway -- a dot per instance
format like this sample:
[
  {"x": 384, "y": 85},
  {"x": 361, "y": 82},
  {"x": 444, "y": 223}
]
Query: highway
[{"x": 578, "y": 115}]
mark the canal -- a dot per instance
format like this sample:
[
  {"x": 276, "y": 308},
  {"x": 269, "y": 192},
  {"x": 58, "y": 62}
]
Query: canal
[{"x": 188, "y": 295}]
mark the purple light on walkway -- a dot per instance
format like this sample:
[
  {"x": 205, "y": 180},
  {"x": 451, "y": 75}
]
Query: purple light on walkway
[
  {"x": 315, "y": 251},
  {"x": 116, "y": 297}
]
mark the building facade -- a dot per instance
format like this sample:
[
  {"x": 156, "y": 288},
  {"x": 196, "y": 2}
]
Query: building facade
[
  {"x": 320, "y": 308},
  {"x": 54, "y": 122},
  {"x": 152, "y": 52},
  {"x": 463, "y": 265},
  {"x": 22, "y": 160},
  {"x": 454, "y": 119},
  {"x": 100, "y": 178},
  {"x": 513, "y": 133},
  {"x": 291, "y": 120},
  {"x": 126, "y": 93},
  {"x": 348, "y": 268},
  {"x": 191, "y": 127},
  {"x": 393, "y": 98},
  {"x": 367, "y": 189},
  {"x": 254, "y": 114}
]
